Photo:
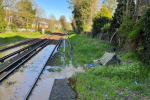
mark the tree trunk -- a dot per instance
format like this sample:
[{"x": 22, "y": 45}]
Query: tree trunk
[
  {"x": 27, "y": 23},
  {"x": 9, "y": 14},
  {"x": 6, "y": 10}
]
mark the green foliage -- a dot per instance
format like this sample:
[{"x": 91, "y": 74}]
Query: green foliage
[
  {"x": 134, "y": 70},
  {"x": 118, "y": 16},
  {"x": 3, "y": 24},
  {"x": 105, "y": 12},
  {"x": 131, "y": 55},
  {"x": 127, "y": 26},
  {"x": 26, "y": 12},
  {"x": 106, "y": 27},
  {"x": 13, "y": 27},
  {"x": 113, "y": 82},
  {"x": 63, "y": 22},
  {"x": 87, "y": 49},
  {"x": 103, "y": 17},
  {"x": 146, "y": 34},
  {"x": 99, "y": 22},
  {"x": 12, "y": 37},
  {"x": 83, "y": 12}
]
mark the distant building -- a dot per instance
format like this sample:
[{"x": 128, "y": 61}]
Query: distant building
[{"x": 42, "y": 24}]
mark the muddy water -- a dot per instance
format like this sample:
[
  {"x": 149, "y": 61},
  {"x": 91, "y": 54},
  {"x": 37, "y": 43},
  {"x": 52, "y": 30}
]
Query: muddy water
[
  {"x": 6, "y": 52},
  {"x": 17, "y": 85},
  {"x": 44, "y": 86}
]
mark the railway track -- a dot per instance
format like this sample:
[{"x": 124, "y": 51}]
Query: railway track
[
  {"x": 22, "y": 43},
  {"x": 16, "y": 64},
  {"x": 33, "y": 85},
  {"x": 23, "y": 49}
]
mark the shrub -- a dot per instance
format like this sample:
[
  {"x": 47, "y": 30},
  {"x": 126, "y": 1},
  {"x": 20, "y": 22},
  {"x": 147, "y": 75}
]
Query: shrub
[
  {"x": 106, "y": 27},
  {"x": 135, "y": 70},
  {"x": 3, "y": 25},
  {"x": 98, "y": 23},
  {"x": 13, "y": 26}
]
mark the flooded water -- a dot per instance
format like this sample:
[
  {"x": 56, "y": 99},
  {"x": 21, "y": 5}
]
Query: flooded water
[
  {"x": 17, "y": 85},
  {"x": 6, "y": 52},
  {"x": 44, "y": 85}
]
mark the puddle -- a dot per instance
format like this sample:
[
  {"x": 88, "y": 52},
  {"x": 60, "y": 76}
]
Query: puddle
[
  {"x": 17, "y": 85},
  {"x": 6, "y": 52},
  {"x": 44, "y": 85}
]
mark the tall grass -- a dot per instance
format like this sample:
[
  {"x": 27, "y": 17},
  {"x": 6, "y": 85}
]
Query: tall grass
[
  {"x": 108, "y": 82},
  {"x": 12, "y": 37},
  {"x": 85, "y": 49}
]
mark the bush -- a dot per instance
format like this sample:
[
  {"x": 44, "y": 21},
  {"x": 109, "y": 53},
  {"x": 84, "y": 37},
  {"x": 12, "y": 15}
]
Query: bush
[
  {"x": 135, "y": 70},
  {"x": 3, "y": 25},
  {"x": 13, "y": 27},
  {"x": 106, "y": 27},
  {"x": 98, "y": 23}
]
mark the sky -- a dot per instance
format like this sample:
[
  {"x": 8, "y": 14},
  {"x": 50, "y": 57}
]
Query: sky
[{"x": 55, "y": 7}]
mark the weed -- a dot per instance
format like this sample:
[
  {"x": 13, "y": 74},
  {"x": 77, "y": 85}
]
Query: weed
[
  {"x": 130, "y": 55},
  {"x": 16, "y": 70},
  {"x": 21, "y": 70},
  {"x": 87, "y": 49},
  {"x": 59, "y": 69}
]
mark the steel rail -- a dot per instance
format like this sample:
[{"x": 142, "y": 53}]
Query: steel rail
[
  {"x": 43, "y": 45},
  {"x": 18, "y": 51},
  {"x": 21, "y": 58},
  {"x": 28, "y": 94},
  {"x": 18, "y": 44}
]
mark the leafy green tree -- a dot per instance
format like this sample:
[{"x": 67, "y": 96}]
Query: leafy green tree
[
  {"x": 83, "y": 11},
  {"x": 112, "y": 4},
  {"x": 3, "y": 23},
  {"x": 118, "y": 16},
  {"x": 26, "y": 13},
  {"x": 103, "y": 17},
  {"x": 63, "y": 21}
]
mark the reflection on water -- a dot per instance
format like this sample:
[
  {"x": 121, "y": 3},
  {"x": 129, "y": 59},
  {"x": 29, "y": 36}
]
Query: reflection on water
[
  {"x": 17, "y": 85},
  {"x": 44, "y": 85},
  {"x": 6, "y": 52}
]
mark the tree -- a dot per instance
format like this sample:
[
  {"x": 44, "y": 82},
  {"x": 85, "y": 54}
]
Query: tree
[
  {"x": 112, "y": 4},
  {"x": 118, "y": 16},
  {"x": 40, "y": 13},
  {"x": 52, "y": 22},
  {"x": 63, "y": 21},
  {"x": 26, "y": 13},
  {"x": 103, "y": 17},
  {"x": 3, "y": 23},
  {"x": 83, "y": 11}
]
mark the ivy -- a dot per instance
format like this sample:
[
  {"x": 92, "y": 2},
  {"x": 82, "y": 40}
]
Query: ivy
[{"x": 146, "y": 34}]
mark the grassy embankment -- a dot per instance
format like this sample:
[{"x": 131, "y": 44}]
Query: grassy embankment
[
  {"x": 10, "y": 38},
  {"x": 113, "y": 82}
]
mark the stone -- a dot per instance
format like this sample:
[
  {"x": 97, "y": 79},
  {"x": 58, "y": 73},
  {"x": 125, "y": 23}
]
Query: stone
[{"x": 109, "y": 59}]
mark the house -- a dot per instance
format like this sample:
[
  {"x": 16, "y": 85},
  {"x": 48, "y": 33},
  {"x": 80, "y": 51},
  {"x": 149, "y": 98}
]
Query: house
[{"x": 42, "y": 24}]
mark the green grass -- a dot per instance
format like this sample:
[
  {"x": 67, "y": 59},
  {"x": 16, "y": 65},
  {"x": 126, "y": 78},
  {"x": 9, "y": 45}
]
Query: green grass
[
  {"x": 52, "y": 31},
  {"x": 103, "y": 82},
  {"x": 10, "y": 38},
  {"x": 130, "y": 56},
  {"x": 85, "y": 49},
  {"x": 108, "y": 83}
]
